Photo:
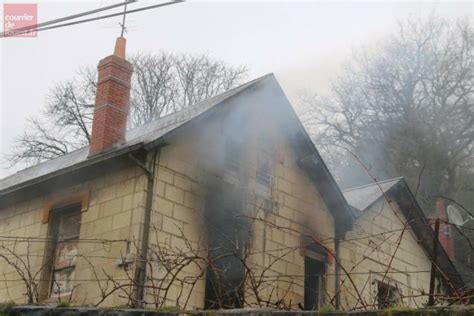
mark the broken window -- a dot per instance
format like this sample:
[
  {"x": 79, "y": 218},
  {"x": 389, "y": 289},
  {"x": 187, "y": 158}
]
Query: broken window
[
  {"x": 387, "y": 295},
  {"x": 64, "y": 231},
  {"x": 313, "y": 283}
]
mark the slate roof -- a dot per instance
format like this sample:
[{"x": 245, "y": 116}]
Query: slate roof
[
  {"x": 362, "y": 197},
  {"x": 44, "y": 177},
  {"x": 143, "y": 134},
  {"x": 466, "y": 273}
]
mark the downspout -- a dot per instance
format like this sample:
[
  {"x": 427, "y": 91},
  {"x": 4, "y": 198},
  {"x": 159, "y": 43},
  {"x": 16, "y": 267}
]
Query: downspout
[
  {"x": 140, "y": 272},
  {"x": 337, "y": 281}
]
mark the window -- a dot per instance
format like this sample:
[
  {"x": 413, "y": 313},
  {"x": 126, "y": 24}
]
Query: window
[
  {"x": 227, "y": 234},
  {"x": 265, "y": 161},
  {"x": 224, "y": 282},
  {"x": 387, "y": 295},
  {"x": 64, "y": 231},
  {"x": 264, "y": 169},
  {"x": 233, "y": 155},
  {"x": 313, "y": 283}
]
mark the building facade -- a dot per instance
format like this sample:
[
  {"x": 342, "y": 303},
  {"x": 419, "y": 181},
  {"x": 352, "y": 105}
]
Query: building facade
[
  {"x": 389, "y": 251},
  {"x": 209, "y": 207}
]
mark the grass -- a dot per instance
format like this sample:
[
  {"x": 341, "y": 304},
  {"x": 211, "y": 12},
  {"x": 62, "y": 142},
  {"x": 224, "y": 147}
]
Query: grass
[{"x": 327, "y": 309}]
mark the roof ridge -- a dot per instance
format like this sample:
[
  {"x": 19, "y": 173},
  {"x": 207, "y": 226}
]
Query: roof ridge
[
  {"x": 200, "y": 102},
  {"x": 372, "y": 184},
  {"x": 225, "y": 95}
]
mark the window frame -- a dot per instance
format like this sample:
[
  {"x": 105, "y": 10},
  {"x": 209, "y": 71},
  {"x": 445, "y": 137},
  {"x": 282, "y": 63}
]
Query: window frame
[
  {"x": 51, "y": 249},
  {"x": 233, "y": 155},
  {"x": 314, "y": 296},
  {"x": 391, "y": 300},
  {"x": 266, "y": 158}
]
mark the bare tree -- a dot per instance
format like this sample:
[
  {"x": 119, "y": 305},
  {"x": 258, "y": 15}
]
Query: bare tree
[
  {"x": 165, "y": 83},
  {"x": 162, "y": 84},
  {"x": 68, "y": 118},
  {"x": 405, "y": 107},
  {"x": 153, "y": 89},
  {"x": 25, "y": 270}
]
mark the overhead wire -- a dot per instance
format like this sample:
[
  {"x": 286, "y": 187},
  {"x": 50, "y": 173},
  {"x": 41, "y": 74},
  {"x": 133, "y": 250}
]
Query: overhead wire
[
  {"x": 31, "y": 28},
  {"x": 38, "y": 29}
]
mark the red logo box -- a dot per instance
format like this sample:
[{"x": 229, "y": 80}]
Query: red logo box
[{"x": 18, "y": 16}]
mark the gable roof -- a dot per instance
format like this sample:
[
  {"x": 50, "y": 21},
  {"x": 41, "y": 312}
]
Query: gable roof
[
  {"x": 363, "y": 197},
  {"x": 156, "y": 133},
  {"x": 466, "y": 273},
  {"x": 144, "y": 134}
]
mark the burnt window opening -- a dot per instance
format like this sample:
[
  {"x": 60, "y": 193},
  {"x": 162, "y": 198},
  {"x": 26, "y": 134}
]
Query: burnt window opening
[
  {"x": 225, "y": 274},
  {"x": 224, "y": 280},
  {"x": 314, "y": 272},
  {"x": 387, "y": 295},
  {"x": 227, "y": 234},
  {"x": 64, "y": 231},
  {"x": 233, "y": 155}
]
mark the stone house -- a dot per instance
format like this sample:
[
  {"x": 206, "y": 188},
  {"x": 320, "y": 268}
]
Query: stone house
[
  {"x": 390, "y": 249},
  {"x": 224, "y": 204}
]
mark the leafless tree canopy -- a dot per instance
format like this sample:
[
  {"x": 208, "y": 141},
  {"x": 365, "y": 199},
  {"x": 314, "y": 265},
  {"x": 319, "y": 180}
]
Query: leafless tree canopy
[
  {"x": 405, "y": 107},
  {"x": 167, "y": 83},
  {"x": 162, "y": 84}
]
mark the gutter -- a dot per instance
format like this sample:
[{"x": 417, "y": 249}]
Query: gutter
[
  {"x": 337, "y": 279},
  {"x": 338, "y": 206},
  {"x": 83, "y": 164}
]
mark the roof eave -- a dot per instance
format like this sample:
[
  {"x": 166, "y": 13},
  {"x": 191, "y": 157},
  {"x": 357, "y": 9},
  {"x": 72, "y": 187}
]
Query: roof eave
[
  {"x": 80, "y": 165},
  {"x": 423, "y": 224}
]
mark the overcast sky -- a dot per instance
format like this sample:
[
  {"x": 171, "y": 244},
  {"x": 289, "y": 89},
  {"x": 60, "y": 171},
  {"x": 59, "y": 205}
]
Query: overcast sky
[{"x": 303, "y": 43}]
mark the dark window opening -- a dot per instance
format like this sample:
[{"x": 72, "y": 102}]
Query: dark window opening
[
  {"x": 64, "y": 230},
  {"x": 313, "y": 283},
  {"x": 224, "y": 286},
  {"x": 387, "y": 295},
  {"x": 227, "y": 238},
  {"x": 225, "y": 275}
]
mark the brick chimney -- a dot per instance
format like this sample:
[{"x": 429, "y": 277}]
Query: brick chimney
[
  {"x": 445, "y": 231},
  {"x": 112, "y": 100}
]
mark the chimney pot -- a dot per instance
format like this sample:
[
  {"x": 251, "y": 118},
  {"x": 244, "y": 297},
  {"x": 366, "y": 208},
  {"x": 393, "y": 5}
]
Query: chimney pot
[{"x": 120, "y": 44}]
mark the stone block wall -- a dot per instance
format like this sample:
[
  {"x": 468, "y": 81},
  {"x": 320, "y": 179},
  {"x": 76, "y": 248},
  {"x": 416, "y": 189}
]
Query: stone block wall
[
  {"x": 368, "y": 250},
  {"x": 112, "y": 218},
  {"x": 275, "y": 253},
  {"x": 279, "y": 217}
]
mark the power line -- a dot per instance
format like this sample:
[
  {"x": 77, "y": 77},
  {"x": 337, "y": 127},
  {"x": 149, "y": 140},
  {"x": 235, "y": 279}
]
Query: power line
[
  {"x": 30, "y": 28},
  {"x": 103, "y": 240},
  {"x": 268, "y": 277},
  {"x": 46, "y": 239},
  {"x": 97, "y": 18}
]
